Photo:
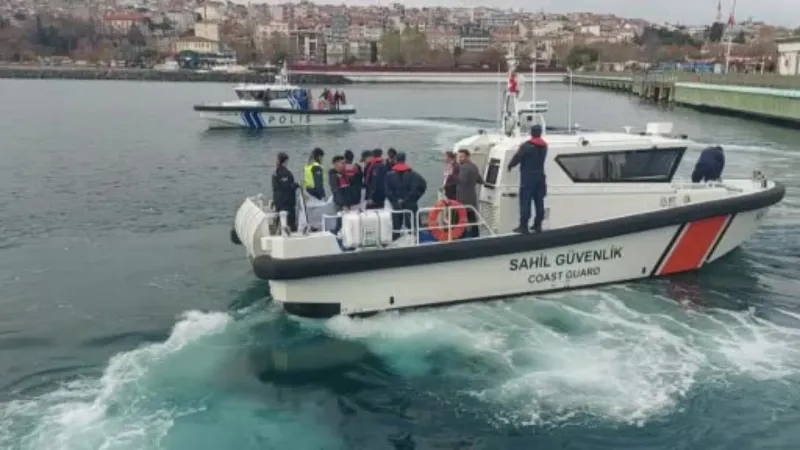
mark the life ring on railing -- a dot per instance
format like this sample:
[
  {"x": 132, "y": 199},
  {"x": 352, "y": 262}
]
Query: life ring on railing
[{"x": 441, "y": 232}]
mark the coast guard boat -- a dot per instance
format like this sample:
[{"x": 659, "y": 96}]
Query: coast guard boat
[
  {"x": 615, "y": 212},
  {"x": 277, "y": 105}
]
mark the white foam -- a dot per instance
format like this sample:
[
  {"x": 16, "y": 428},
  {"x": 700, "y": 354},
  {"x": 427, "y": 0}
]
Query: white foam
[
  {"x": 588, "y": 353},
  {"x": 110, "y": 412}
]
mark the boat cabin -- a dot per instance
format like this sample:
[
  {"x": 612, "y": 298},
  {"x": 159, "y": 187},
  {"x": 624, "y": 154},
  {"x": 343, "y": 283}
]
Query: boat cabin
[{"x": 590, "y": 175}]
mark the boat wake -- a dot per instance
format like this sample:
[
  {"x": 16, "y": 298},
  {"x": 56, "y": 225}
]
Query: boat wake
[{"x": 617, "y": 356}]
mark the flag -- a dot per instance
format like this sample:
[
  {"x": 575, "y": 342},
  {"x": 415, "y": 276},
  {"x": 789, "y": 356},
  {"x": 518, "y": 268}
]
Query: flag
[{"x": 512, "y": 83}]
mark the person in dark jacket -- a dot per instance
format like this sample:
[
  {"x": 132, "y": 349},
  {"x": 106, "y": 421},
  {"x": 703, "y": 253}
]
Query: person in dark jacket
[
  {"x": 710, "y": 165},
  {"x": 375, "y": 179},
  {"x": 313, "y": 176},
  {"x": 391, "y": 158},
  {"x": 404, "y": 188},
  {"x": 530, "y": 158},
  {"x": 284, "y": 191},
  {"x": 356, "y": 178},
  {"x": 340, "y": 187}
]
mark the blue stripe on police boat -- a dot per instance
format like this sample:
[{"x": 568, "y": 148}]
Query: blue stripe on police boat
[
  {"x": 258, "y": 120},
  {"x": 248, "y": 119}
]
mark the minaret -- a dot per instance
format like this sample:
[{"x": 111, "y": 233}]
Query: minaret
[{"x": 719, "y": 11}]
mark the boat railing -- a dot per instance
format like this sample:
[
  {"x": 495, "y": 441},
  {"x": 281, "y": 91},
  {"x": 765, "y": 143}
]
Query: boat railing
[
  {"x": 422, "y": 231},
  {"x": 624, "y": 188},
  {"x": 448, "y": 230}
]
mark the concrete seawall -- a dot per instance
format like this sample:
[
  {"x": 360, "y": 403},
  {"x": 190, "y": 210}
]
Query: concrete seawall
[
  {"x": 92, "y": 73},
  {"x": 769, "y": 98}
]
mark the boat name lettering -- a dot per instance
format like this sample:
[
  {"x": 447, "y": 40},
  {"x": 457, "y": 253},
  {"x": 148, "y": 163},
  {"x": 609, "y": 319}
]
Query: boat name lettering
[
  {"x": 543, "y": 261},
  {"x": 292, "y": 119}
]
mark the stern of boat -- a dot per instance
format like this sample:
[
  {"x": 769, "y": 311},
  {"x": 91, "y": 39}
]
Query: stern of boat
[{"x": 254, "y": 221}]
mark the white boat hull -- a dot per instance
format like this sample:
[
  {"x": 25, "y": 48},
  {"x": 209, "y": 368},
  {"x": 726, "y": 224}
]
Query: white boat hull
[
  {"x": 651, "y": 253},
  {"x": 267, "y": 120}
]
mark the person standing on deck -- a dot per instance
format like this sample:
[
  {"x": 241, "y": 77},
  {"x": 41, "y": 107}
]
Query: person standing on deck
[
  {"x": 284, "y": 191},
  {"x": 469, "y": 177},
  {"x": 313, "y": 181},
  {"x": 355, "y": 177},
  {"x": 450, "y": 182},
  {"x": 340, "y": 187},
  {"x": 375, "y": 179},
  {"x": 391, "y": 158},
  {"x": 530, "y": 158},
  {"x": 404, "y": 188}
]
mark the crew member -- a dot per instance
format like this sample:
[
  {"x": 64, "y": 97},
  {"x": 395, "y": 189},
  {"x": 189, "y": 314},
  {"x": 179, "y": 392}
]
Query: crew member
[
  {"x": 710, "y": 165},
  {"x": 450, "y": 181},
  {"x": 283, "y": 191},
  {"x": 469, "y": 177},
  {"x": 313, "y": 180},
  {"x": 375, "y": 179},
  {"x": 532, "y": 182},
  {"x": 391, "y": 158},
  {"x": 404, "y": 188},
  {"x": 337, "y": 179},
  {"x": 355, "y": 177}
]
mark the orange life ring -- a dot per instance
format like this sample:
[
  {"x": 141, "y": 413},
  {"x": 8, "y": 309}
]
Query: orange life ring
[{"x": 440, "y": 232}]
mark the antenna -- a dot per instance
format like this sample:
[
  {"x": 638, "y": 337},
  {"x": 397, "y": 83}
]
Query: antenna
[
  {"x": 499, "y": 97},
  {"x": 569, "y": 102},
  {"x": 533, "y": 77}
]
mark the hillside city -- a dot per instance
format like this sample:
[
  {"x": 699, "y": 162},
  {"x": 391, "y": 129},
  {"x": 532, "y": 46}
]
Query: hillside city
[{"x": 145, "y": 32}]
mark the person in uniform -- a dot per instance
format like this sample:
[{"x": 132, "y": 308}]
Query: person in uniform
[
  {"x": 313, "y": 181},
  {"x": 340, "y": 188},
  {"x": 284, "y": 191},
  {"x": 391, "y": 158},
  {"x": 356, "y": 178},
  {"x": 530, "y": 158},
  {"x": 710, "y": 165},
  {"x": 404, "y": 188},
  {"x": 375, "y": 179}
]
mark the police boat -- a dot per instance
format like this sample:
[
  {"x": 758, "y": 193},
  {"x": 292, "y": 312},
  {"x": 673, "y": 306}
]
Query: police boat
[
  {"x": 277, "y": 105},
  {"x": 615, "y": 212}
]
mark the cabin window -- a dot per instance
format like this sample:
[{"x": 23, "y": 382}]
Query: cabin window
[
  {"x": 244, "y": 95},
  {"x": 651, "y": 165},
  {"x": 492, "y": 170},
  {"x": 277, "y": 95}
]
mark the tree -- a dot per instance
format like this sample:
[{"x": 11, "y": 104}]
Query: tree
[
  {"x": 714, "y": 33},
  {"x": 796, "y": 32},
  {"x": 135, "y": 37},
  {"x": 493, "y": 58},
  {"x": 740, "y": 38},
  {"x": 582, "y": 56},
  {"x": 407, "y": 48},
  {"x": 275, "y": 48},
  {"x": 391, "y": 48}
]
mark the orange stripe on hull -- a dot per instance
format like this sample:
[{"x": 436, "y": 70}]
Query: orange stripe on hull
[{"x": 693, "y": 245}]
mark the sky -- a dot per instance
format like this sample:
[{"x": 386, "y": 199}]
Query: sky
[{"x": 688, "y": 12}]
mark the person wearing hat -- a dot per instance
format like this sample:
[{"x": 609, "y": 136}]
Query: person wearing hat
[
  {"x": 283, "y": 191},
  {"x": 404, "y": 188},
  {"x": 530, "y": 158},
  {"x": 313, "y": 181}
]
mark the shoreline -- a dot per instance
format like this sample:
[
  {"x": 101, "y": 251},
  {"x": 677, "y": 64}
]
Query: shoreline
[{"x": 299, "y": 77}]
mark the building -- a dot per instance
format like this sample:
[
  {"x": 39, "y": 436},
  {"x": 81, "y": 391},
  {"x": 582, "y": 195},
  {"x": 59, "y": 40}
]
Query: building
[
  {"x": 789, "y": 55},
  {"x": 196, "y": 44},
  {"x": 474, "y": 38}
]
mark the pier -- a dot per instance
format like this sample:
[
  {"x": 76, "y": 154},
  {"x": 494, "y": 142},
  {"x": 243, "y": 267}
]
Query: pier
[
  {"x": 95, "y": 73},
  {"x": 765, "y": 97}
]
